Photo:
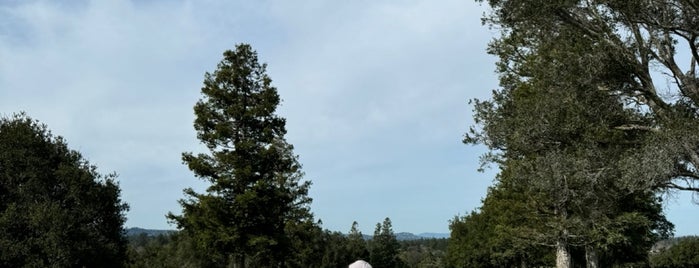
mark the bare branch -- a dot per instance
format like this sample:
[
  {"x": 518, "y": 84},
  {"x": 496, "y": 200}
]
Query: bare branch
[{"x": 682, "y": 188}]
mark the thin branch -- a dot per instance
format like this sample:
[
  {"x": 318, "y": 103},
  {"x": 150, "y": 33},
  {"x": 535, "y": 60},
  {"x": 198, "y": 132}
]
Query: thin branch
[
  {"x": 695, "y": 53},
  {"x": 687, "y": 174},
  {"x": 637, "y": 127},
  {"x": 682, "y": 188}
]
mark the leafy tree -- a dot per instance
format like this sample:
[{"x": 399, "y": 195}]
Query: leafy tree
[
  {"x": 682, "y": 254},
  {"x": 495, "y": 235},
  {"x": 559, "y": 150},
  {"x": 256, "y": 195},
  {"x": 568, "y": 122},
  {"x": 423, "y": 253},
  {"x": 165, "y": 250},
  {"x": 55, "y": 209},
  {"x": 308, "y": 243},
  {"x": 383, "y": 248},
  {"x": 628, "y": 43}
]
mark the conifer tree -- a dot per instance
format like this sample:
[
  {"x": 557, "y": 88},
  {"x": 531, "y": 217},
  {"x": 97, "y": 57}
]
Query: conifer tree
[
  {"x": 256, "y": 192},
  {"x": 384, "y": 246},
  {"x": 356, "y": 246}
]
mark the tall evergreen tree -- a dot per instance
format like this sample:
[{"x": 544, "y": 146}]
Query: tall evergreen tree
[
  {"x": 256, "y": 192},
  {"x": 55, "y": 209},
  {"x": 335, "y": 252},
  {"x": 383, "y": 247},
  {"x": 356, "y": 245}
]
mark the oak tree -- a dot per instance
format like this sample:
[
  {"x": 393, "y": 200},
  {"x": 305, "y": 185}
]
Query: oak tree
[{"x": 56, "y": 210}]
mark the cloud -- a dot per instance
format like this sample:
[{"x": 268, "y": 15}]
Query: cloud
[{"x": 374, "y": 95}]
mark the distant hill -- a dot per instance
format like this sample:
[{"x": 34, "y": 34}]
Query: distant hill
[
  {"x": 405, "y": 236},
  {"x": 434, "y": 235},
  {"x": 134, "y": 231}
]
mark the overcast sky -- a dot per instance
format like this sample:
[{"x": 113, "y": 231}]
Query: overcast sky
[{"x": 375, "y": 96}]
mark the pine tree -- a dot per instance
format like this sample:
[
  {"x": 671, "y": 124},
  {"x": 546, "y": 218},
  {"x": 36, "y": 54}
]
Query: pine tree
[
  {"x": 256, "y": 192},
  {"x": 384, "y": 246},
  {"x": 356, "y": 245}
]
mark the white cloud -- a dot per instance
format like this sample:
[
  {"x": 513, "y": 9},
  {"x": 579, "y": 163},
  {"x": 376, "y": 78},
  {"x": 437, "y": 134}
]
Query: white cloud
[{"x": 374, "y": 95}]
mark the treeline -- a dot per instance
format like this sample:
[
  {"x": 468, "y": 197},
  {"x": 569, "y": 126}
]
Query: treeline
[
  {"x": 677, "y": 252},
  {"x": 331, "y": 250}
]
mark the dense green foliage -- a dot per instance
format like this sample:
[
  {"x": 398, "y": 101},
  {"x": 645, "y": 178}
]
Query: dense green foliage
[
  {"x": 629, "y": 50},
  {"x": 253, "y": 210},
  {"x": 356, "y": 245},
  {"x": 55, "y": 209},
  {"x": 584, "y": 141},
  {"x": 383, "y": 247},
  {"x": 683, "y": 253},
  {"x": 490, "y": 237},
  {"x": 165, "y": 250},
  {"x": 330, "y": 250},
  {"x": 423, "y": 253}
]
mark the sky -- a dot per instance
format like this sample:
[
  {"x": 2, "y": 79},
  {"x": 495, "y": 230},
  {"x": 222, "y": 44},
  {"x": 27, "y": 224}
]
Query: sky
[{"x": 375, "y": 94}]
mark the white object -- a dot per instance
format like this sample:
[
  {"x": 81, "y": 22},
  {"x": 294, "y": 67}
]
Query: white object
[{"x": 360, "y": 264}]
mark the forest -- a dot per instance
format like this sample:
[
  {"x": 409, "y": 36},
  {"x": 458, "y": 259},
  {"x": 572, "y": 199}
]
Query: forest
[{"x": 594, "y": 123}]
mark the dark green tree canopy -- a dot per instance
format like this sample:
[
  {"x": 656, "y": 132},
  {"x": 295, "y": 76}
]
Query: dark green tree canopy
[
  {"x": 256, "y": 194},
  {"x": 55, "y": 209},
  {"x": 356, "y": 246},
  {"x": 383, "y": 247},
  {"x": 578, "y": 126},
  {"x": 682, "y": 253},
  {"x": 644, "y": 53}
]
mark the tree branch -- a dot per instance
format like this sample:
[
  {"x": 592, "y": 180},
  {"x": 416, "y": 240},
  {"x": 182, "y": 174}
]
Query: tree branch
[
  {"x": 637, "y": 127},
  {"x": 682, "y": 188}
]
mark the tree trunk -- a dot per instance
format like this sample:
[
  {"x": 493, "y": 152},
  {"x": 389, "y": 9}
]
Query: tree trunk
[
  {"x": 562, "y": 255},
  {"x": 522, "y": 262},
  {"x": 239, "y": 262},
  {"x": 591, "y": 257}
]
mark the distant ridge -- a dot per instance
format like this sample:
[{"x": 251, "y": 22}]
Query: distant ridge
[
  {"x": 405, "y": 236},
  {"x": 402, "y": 236},
  {"x": 135, "y": 231},
  {"x": 434, "y": 235}
]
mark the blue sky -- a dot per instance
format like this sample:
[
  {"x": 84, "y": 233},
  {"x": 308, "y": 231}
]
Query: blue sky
[{"x": 375, "y": 96}]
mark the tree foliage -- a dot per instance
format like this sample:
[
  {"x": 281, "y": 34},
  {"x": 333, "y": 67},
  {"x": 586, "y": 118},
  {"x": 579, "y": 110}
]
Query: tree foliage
[
  {"x": 383, "y": 247},
  {"x": 257, "y": 198},
  {"x": 165, "y": 250},
  {"x": 56, "y": 210},
  {"x": 681, "y": 254},
  {"x": 356, "y": 245},
  {"x": 424, "y": 253},
  {"x": 644, "y": 53},
  {"x": 578, "y": 126},
  {"x": 316, "y": 248}
]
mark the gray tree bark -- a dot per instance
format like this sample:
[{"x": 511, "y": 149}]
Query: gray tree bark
[
  {"x": 591, "y": 257},
  {"x": 563, "y": 259}
]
